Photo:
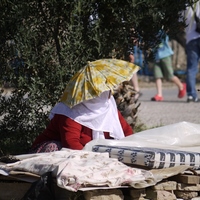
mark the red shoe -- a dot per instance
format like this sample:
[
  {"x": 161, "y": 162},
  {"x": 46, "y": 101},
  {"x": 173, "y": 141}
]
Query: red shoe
[
  {"x": 182, "y": 92},
  {"x": 157, "y": 98}
]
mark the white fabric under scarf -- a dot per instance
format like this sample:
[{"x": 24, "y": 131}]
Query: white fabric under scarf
[{"x": 99, "y": 114}]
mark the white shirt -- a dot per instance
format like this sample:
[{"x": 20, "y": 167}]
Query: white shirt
[{"x": 191, "y": 34}]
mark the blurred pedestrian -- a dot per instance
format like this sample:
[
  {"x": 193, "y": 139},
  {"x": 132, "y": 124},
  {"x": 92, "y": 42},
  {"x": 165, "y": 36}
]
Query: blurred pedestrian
[
  {"x": 163, "y": 69},
  {"x": 134, "y": 80},
  {"x": 191, "y": 13},
  {"x": 133, "y": 55}
]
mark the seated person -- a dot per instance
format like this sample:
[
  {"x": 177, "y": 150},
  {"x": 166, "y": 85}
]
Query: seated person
[{"x": 74, "y": 127}]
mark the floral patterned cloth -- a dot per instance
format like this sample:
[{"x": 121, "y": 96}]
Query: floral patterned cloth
[
  {"x": 75, "y": 169},
  {"x": 48, "y": 146}
]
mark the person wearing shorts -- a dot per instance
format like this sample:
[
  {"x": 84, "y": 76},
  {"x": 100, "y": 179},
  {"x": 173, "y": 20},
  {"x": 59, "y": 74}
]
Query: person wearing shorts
[{"x": 163, "y": 69}]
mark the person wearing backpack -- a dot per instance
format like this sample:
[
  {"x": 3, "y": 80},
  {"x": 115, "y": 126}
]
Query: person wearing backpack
[{"x": 163, "y": 69}]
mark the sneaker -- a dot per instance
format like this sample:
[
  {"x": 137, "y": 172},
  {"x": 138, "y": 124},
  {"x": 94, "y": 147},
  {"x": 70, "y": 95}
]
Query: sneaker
[
  {"x": 157, "y": 98},
  {"x": 192, "y": 99},
  {"x": 182, "y": 92}
]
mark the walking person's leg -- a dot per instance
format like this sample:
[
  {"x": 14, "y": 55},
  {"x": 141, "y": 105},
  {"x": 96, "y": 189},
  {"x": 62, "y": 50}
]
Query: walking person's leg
[
  {"x": 134, "y": 80},
  {"x": 158, "y": 75},
  {"x": 159, "y": 87},
  {"x": 192, "y": 50},
  {"x": 181, "y": 86},
  {"x": 169, "y": 74}
]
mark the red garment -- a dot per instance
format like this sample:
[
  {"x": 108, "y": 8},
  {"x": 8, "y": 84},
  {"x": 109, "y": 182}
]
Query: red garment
[{"x": 72, "y": 134}]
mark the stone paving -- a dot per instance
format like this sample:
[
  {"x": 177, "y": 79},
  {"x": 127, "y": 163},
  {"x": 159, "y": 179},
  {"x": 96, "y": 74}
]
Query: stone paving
[{"x": 171, "y": 110}]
